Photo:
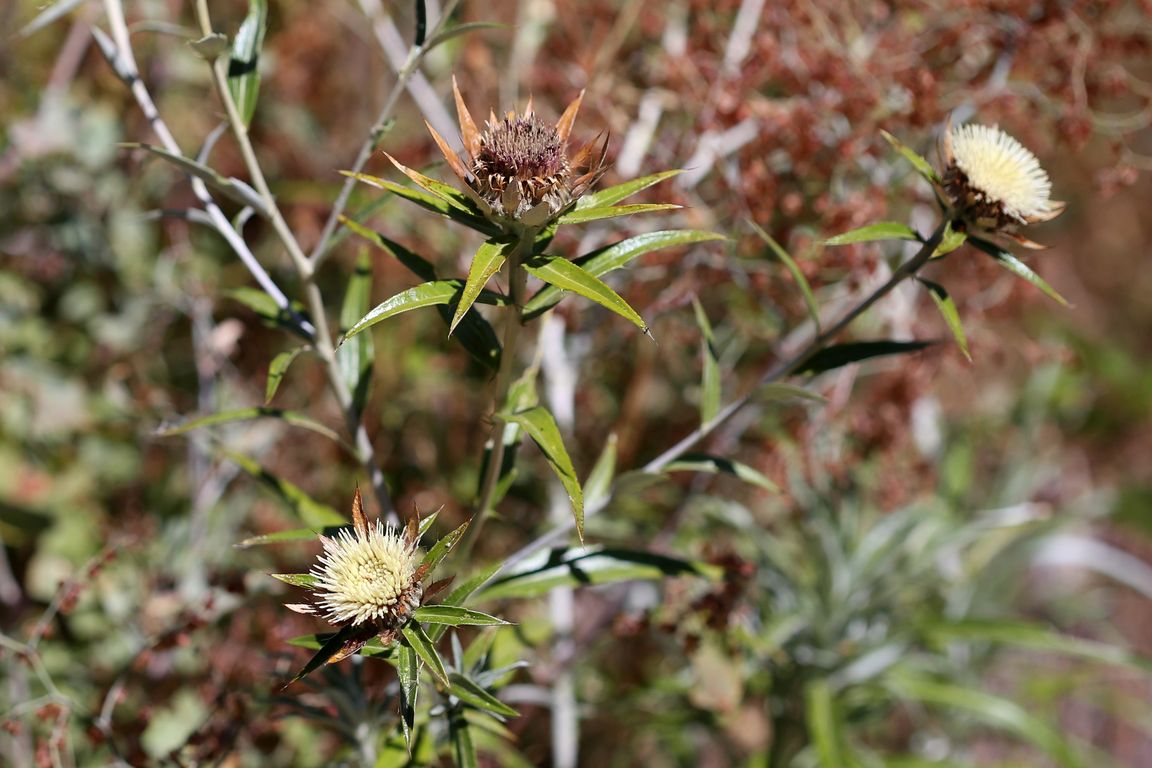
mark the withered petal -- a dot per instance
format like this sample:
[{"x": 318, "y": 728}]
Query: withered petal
[
  {"x": 453, "y": 159},
  {"x": 359, "y": 521},
  {"x": 468, "y": 130},
  {"x": 564, "y": 125}
]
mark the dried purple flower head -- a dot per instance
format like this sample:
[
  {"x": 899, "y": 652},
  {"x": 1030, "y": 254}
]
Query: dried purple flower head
[{"x": 519, "y": 169}]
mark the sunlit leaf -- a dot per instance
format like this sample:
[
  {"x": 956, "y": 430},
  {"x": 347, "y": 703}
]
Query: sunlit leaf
[
  {"x": 612, "y": 195},
  {"x": 950, "y": 241},
  {"x": 267, "y": 309},
  {"x": 588, "y": 566},
  {"x": 244, "y": 61},
  {"x": 949, "y": 312},
  {"x": 454, "y": 616},
  {"x": 599, "y": 482},
  {"x": 487, "y": 262},
  {"x": 710, "y": 373},
  {"x": 281, "y": 537},
  {"x": 700, "y": 462},
  {"x": 469, "y": 692},
  {"x": 583, "y": 215},
  {"x": 305, "y": 580},
  {"x": 922, "y": 166},
  {"x": 435, "y": 293},
  {"x": 419, "y": 642},
  {"x": 419, "y": 266},
  {"x": 617, "y": 255},
  {"x": 431, "y": 202},
  {"x": 277, "y": 369},
  {"x": 794, "y": 270},
  {"x": 356, "y": 357},
  {"x": 247, "y": 414},
  {"x": 882, "y": 230},
  {"x": 825, "y": 723},
  {"x": 565, "y": 275},
  {"x": 1017, "y": 267},
  {"x": 541, "y": 427},
  {"x": 442, "y": 547},
  {"x": 308, "y": 511}
]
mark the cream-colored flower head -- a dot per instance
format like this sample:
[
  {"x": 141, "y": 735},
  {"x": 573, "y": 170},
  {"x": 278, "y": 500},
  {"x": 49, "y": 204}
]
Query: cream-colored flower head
[
  {"x": 993, "y": 182},
  {"x": 366, "y": 576}
]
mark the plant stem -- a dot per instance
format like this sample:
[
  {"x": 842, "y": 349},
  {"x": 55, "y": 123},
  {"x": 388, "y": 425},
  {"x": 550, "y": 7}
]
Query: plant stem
[
  {"x": 513, "y": 322},
  {"x": 322, "y": 341},
  {"x": 779, "y": 371}
]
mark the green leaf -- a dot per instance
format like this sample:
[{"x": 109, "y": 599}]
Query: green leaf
[
  {"x": 883, "y": 230},
  {"x": 442, "y": 547},
  {"x": 326, "y": 652},
  {"x": 276, "y": 370},
  {"x": 988, "y": 708},
  {"x": 780, "y": 391},
  {"x": 584, "y": 567},
  {"x": 710, "y": 373},
  {"x": 951, "y": 240},
  {"x": 598, "y": 486},
  {"x": 246, "y": 414},
  {"x": 922, "y": 166},
  {"x": 1036, "y": 638},
  {"x": 825, "y": 724},
  {"x": 437, "y": 292},
  {"x": 565, "y": 275},
  {"x": 308, "y": 511},
  {"x": 49, "y": 12},
  {"x": 296, "y": 534},
  {"x": 356, "y": 358},
  {"x": 541, "y": 427},
  {"x": 449, "y": 33},
  {"x": 463, "y": 748},
  {"x": 614, "y": 256},
  {"x": 454, "y": 616},
  {"x": 306, "y": 580},
  {"x": 266, "y": 308},
  {"x": 408, "y": 670},
  {"x": 230, "y": 187},
  {"x": 244, "y": 61},
  {"x": 839, "y": 355},
  {"x": 1017, "y": 267},
  {"x": 581, "y": 215},
  {"x": 432, "y": 202},
  {"x": 487, "y": 262},
  {"x": 314, "y": 642},
  {"x": 701, "y": 462},
  {"x": 949, "y": 312},
  {"x": 793, "y": 269},
  {"x": 417, "y": 264},
  {"x": 419, "y": 642},
  {"x": 469, "y": 692},
  {"x": 613, "y": 195}
]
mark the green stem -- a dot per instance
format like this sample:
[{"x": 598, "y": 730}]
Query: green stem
[
  {"x": 513, "y": 322},
  {"x": 322, "y": 340}
]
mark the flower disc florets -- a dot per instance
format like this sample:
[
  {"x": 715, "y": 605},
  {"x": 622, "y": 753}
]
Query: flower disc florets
[
  {"x": 368, "y": 576},
  {"x": 993, "y": 183}
]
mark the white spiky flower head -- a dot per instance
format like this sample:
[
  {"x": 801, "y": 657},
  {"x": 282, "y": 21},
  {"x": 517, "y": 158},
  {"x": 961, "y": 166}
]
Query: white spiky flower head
[
  {"x": 993, "y": 182},
  {"x": 367, "y": 575}
]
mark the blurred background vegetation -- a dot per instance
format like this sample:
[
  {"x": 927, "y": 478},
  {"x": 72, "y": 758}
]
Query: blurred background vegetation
[{"x": 1014, "y": 488}]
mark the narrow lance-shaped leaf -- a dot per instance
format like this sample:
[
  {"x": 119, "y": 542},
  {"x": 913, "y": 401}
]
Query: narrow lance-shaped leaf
[
  {"x": 435, "y": 293},
  {"x": 700, "y": 462},
  {"x": 265, "y": 307},
  {"x": 1017, "y": 267},
  {"x": 231, "y": 187},
  {"x": 246, "y": 414},
  {"x": 949, "y": 312},
  {"x": 469, "y": 692},
  {"x": 794, "y": 270},
  {"x": 584, "y": 215},
  {"x": 454, "y": 616},
  {"x": 710, "y": 373},
  {"x": 487, "y": 261},
  {"x": 612, "y": 195},
  {"x": 408, "y": 670},
  {"x": 922, "y": 166},
  {"x": 952, "y": 239},
  {"x": 441, "y": 549},
  {"x": 565, "y": 275},
  {"x": 419, "y": 642},
  {"x": 341, "y": 645},
  {"x": 854, "y": 351},
  {"x": 541, "y": 427},
  {"x": 308, "y": 511},
  {"x": 356, "y": 358},
  {"x": 417, "y": 264},
  {"x": 244, "y": 61},
  {"x": 276, "y": 371},
  {"x": 599, "y": 482},
  {"x": 881, "y": 230},
  {"x": 615, "y": 256},
  {"x": 825, "y": 724},
  {"x": 463, "y": 748},
  {"x": 429, "y": 201}
]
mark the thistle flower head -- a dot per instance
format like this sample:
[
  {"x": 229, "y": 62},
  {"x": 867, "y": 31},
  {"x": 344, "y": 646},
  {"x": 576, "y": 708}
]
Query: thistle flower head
[
  {"x": 993, "y": 182},
  {"x": 519, "y": 168},
  {"x": 367, "y": 576}
]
